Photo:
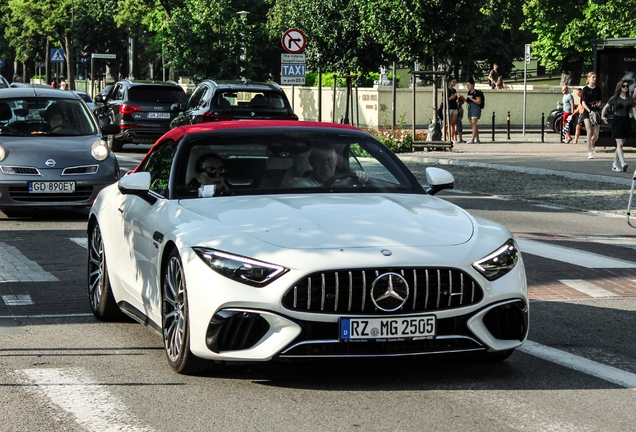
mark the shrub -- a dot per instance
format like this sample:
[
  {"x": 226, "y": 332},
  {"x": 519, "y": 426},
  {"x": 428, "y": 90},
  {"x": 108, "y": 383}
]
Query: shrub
[{"x": 398, "y": 140}]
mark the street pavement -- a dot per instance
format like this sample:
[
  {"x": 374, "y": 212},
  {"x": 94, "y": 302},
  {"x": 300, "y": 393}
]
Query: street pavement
[{"x": 527, "y": 153}]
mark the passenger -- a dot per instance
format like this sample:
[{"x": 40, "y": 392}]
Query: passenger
[
  {"x": 323, "y": 160},
  {"x": 210, "y": 170}
]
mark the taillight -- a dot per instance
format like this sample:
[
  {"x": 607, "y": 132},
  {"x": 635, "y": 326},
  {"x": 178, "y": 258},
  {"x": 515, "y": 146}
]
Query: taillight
[
  {"x": 128, "y": 109},
  {"x": 211, "y": 116}
]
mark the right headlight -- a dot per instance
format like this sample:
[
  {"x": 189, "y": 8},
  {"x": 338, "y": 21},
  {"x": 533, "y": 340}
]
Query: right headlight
[
  {"x": 3, "y": 153},
  {"x": 240, "y": 269},
  {"x": 500, "y": 262}
]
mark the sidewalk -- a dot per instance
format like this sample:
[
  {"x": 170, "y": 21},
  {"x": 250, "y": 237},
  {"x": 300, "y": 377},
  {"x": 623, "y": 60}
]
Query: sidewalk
[{"x": 526, "y": 153}]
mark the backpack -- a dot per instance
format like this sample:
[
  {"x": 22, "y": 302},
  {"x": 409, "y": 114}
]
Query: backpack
[{"x": 483, "y": 98}]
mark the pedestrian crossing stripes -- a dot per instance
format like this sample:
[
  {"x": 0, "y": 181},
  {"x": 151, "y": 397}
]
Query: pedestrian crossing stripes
[
  {"x": 572, "y": 256},
  {"x": 15, "y": 267}
]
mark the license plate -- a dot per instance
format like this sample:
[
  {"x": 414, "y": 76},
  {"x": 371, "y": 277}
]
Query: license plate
[
  {"x": 52, "y": 187},
  {"x": 159, "y": 115},
  {"x": 404, "y": 328}
]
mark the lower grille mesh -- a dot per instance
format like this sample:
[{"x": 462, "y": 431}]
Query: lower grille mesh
[{"x": 430, "y": 289}]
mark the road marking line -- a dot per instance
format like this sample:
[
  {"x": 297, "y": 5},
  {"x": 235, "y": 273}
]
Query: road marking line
[
  {"x": 17, "y": 300},
  {"x": 588, "y": 288},
  {"x": 15, "y": 267},
  {"x": 78, "y": 315},
  {"x": 93, "y": 406},
  {"x": 571, "y": 256},
  {"x": 82, "y": 241},
  {"x": 581, "y": 364}
]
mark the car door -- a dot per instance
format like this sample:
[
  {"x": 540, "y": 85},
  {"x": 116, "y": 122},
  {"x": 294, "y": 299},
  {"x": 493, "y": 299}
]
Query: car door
[{"x": 142, "y": 222}]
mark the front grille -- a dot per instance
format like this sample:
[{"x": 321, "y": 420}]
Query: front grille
[
  {"x": 20, "y": 170},
  {"x": 334, "y": 292},
  {"x": 88, "y": 169},
  {"x": 321, "y": 340},
  {"x": 235, "y": 330},
  {"x": 508, "y": 321},
  {"x": 21, "y": 194}
]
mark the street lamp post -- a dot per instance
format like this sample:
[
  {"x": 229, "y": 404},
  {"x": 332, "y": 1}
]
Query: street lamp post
[{"x": 243, "y": 15}]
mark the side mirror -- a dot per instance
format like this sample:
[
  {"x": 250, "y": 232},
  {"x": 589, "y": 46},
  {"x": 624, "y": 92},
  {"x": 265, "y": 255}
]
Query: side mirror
[
  {"x": 438, "y": 179},
  {"x": 136, "y": 184}
]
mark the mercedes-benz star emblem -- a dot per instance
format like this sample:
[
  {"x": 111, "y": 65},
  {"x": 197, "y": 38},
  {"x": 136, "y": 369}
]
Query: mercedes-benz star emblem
[
  {"x": 389, "y": 292},
  {"x": 50, "y": 163}
]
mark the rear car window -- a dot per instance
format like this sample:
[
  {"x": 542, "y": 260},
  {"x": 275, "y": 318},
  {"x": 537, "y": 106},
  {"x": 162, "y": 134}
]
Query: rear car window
[
  {"x": 249, "y": 99},
  {"x": 150, "y": 94}
]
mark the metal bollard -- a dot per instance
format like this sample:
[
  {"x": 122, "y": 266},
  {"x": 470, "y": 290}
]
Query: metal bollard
[
  {"x": 508, "y": 124},
  {"x": 542, "y": 126},
  {"x": 493, "y": 125}
]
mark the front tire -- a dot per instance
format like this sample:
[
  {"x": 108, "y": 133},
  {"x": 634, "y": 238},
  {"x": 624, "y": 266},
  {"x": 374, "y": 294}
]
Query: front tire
[
  {"x": 100, "y": 293},
  {"x": 175, "y": 319}
]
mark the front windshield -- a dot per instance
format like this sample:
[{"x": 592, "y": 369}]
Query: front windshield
[
  {"x": 36, "y": 116},
  {"x": 274, "y": 162}
]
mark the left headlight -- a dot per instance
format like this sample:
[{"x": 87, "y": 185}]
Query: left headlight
[
  {"x": 499, "y": 262},
  {"x": 100, "y": 150},
  {"x": 240, "y": 269},
  {"x": 3, "y": 153}
]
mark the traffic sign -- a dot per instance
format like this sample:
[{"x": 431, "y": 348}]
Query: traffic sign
[
  {"x": 292, "y": 70},
  {"x": 294, "y": 41},
  {"x": 1, "y": 63},
  {"x": 103, "y": 56},
  {"x": 292, "y": 58},
  {"x": 57, "y": 55},
  {"x": 292, "y": 73}
]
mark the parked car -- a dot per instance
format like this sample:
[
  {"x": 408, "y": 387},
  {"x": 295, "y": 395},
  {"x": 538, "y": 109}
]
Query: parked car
[
  {"x": 87, "y": 99},
  {"x": 51, "y": 150},
  {"x": 104, "y": 92},
  {"x": 233, "y": 100},
  {"x": 264, "y": 240},
  {"x": 141, "y": 109}
]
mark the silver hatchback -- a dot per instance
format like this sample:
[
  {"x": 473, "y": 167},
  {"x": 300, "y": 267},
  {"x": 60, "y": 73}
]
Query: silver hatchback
[{"x": 51, "y": 150}]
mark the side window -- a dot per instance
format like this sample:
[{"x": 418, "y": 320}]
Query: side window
[
  {"x": 195, "y": 99},
  {"x": 204, "y": 102},
  {"x": 118, "y": 93},
  {"x": 158, "y": 165}
]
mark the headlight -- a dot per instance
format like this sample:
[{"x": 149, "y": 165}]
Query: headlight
[
  {"x": 100, "y": 150},
  {"x": 240, "y": 269},
  {"x": 499, "y": 262},
  {"x": 3, "y": 153}
]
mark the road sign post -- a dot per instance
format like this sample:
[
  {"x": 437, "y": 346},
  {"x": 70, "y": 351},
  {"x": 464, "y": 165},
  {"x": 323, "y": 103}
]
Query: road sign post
[
  {"x": 293, "y": 62},
  {"x": 98, "y": 56}
]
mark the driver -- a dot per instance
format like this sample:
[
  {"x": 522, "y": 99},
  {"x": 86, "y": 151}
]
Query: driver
[
  {"x": 323, "y": 160},
  {"x": 55, "y": 117}
]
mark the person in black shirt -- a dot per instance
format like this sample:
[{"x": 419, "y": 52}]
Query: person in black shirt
[
  {"x": 622, "y": 103},
  {"x": 591, "y": 101}
]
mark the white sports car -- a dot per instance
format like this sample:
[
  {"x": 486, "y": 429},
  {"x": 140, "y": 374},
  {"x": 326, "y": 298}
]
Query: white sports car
[{"x": 262, "y": 240}]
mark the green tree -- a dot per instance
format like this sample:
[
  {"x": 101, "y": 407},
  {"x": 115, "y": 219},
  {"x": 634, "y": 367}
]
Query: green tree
[{"x": 563, "y": 34}]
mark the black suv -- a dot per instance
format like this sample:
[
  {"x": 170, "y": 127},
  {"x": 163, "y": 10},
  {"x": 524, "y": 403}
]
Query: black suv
[
  {"x": 141, "y": 109},
  {"x": 234, "y": 100}
]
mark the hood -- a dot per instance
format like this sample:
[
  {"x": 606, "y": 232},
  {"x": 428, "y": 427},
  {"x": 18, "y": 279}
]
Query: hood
[
  {"x": 35, "y": 151},
  {"x": 321, "y": 221}
]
